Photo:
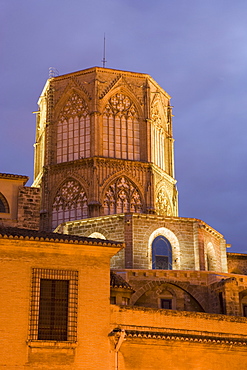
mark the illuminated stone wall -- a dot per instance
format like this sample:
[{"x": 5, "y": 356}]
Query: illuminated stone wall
[{"x": 194, "y": 243}]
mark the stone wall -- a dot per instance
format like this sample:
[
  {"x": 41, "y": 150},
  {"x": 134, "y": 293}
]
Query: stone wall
[
  {"x": 195, "y": 245},
  {"x": 29, "y": 208},
  {"x": 237, "y": 263},
  {"x": 200, "y": 291}
]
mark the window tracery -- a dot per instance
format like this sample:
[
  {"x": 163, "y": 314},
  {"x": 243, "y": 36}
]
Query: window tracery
[
  {"x": 122, "y": 196},
  {"x": 162, "y": 206},
  {"x": 157, "y": 138},
  {"x": 73, "y": 130},
  {"x": 70, "y": 203},
  {"x": 121, "y": 136}
]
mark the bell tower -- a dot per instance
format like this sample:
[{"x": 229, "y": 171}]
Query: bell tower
[{"x": 104, "y": 146}]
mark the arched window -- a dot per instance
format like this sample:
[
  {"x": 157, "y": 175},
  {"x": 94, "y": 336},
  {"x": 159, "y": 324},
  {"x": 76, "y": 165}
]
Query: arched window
[
  {"x": 97, "y": 235},
  {"x": 121, "y": 134},
  {"x": 161, "y": 254},
  {"x": 70, "y": 203},
  {"x": 73, "y": 130},
  {"x": 210, "y": 258},
  {"x": 122, "y": 196},
  {"x": 4, "y": 207},
  {"x": 157, "y": 138}
]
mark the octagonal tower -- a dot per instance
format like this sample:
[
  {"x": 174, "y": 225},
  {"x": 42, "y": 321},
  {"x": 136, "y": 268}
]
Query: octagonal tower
[{"x": 104, "y": 146}]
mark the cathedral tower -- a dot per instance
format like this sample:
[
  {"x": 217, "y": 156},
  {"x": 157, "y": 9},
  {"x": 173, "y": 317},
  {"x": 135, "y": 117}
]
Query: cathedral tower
[{"x": 104, "y": 146}]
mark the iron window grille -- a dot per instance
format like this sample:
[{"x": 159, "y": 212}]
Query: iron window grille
[{"x": 54, "y": 299}]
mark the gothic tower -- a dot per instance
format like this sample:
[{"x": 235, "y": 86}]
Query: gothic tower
[{"x": 104, "y": 146}]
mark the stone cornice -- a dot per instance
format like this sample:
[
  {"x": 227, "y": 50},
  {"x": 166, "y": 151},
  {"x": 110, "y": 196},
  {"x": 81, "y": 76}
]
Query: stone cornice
[{"x": 189, "y": 336}]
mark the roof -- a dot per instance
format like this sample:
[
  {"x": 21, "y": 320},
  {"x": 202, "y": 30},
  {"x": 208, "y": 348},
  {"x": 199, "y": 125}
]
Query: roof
[
  {"x": 27, "y": 234},
  {"x": 116, "y": 281},
  {"x": 10, "y": 176}
]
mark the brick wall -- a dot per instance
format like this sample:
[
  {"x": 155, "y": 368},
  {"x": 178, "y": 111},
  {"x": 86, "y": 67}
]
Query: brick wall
[
  {"x": 18, "y": 258},
  {"x": 29, "y": 208},
  {"x": 180, "y": 340}
]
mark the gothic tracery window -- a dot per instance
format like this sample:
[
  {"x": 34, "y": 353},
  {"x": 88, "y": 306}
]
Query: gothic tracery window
[
  {"x": 70, "y": 203},
  {"x": 157, "y": 138},
  {"x": 162, "y": 205},
  {"x": 73, "y": 130},
  {"x": 122, "y": 196},
  {"x": 121, "y": 134}
]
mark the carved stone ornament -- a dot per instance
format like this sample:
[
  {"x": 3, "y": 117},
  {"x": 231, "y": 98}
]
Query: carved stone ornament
[
  {"x": 70, "y": 203},
  {"x": 75, "y": 106},
  {"x": 121, "y": 196},
  {"x": 120, "y": 104},
  {"x": 162, "y": 205}
]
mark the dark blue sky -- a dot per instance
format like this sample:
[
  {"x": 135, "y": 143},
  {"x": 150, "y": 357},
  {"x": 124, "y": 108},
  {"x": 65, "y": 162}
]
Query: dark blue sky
[{"x": 195, "y": 49}]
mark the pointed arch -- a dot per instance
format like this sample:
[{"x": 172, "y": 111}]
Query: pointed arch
[
  {"x": 121, "y": 128},
  {"x": 122, "y": 196},
  {"x": 70, "y": 203},
  {"x": 158, "y": 133},
  {"x": 172, "y": 239},
  {"x": 210, "y": 258},
  {"x": 97, "y": 235},
  {"x": 4, "y": 206},
  {"x": 73, "y": 129}
]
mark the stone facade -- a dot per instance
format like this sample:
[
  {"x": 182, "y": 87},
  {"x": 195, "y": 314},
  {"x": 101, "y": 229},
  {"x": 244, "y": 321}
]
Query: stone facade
[
  {"x": 237, "y": 263},
  {"x": 104, "y": 168},
  {"x": 195, "y": 245},
  {"x": 20, "y": 203},
  {"x": 126, "y": 335},
  {"x": 107, "y": 135}
]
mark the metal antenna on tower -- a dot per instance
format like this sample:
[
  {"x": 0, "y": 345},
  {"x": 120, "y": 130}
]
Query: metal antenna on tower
[
  {"x": 53, "y": 72},
  {"x": 104, "y": 59}
]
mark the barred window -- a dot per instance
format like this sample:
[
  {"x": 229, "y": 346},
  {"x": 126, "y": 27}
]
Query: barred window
[{"x": 54, "y": 305}]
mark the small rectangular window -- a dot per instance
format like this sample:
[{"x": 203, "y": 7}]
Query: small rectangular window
[
  {"x": 222, "y": 303},
  {"x": 125, "y": 301},
  {"x": 113, "y": 300},
  {"x": 166, "y": 304},
  {"x": 245, "y": 310}
]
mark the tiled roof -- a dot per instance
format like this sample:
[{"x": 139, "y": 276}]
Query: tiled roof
[
  {"x": 118, "y": 282},
  {"x": 13, "y": 176},
  {"x": 27, "y": 234}
]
